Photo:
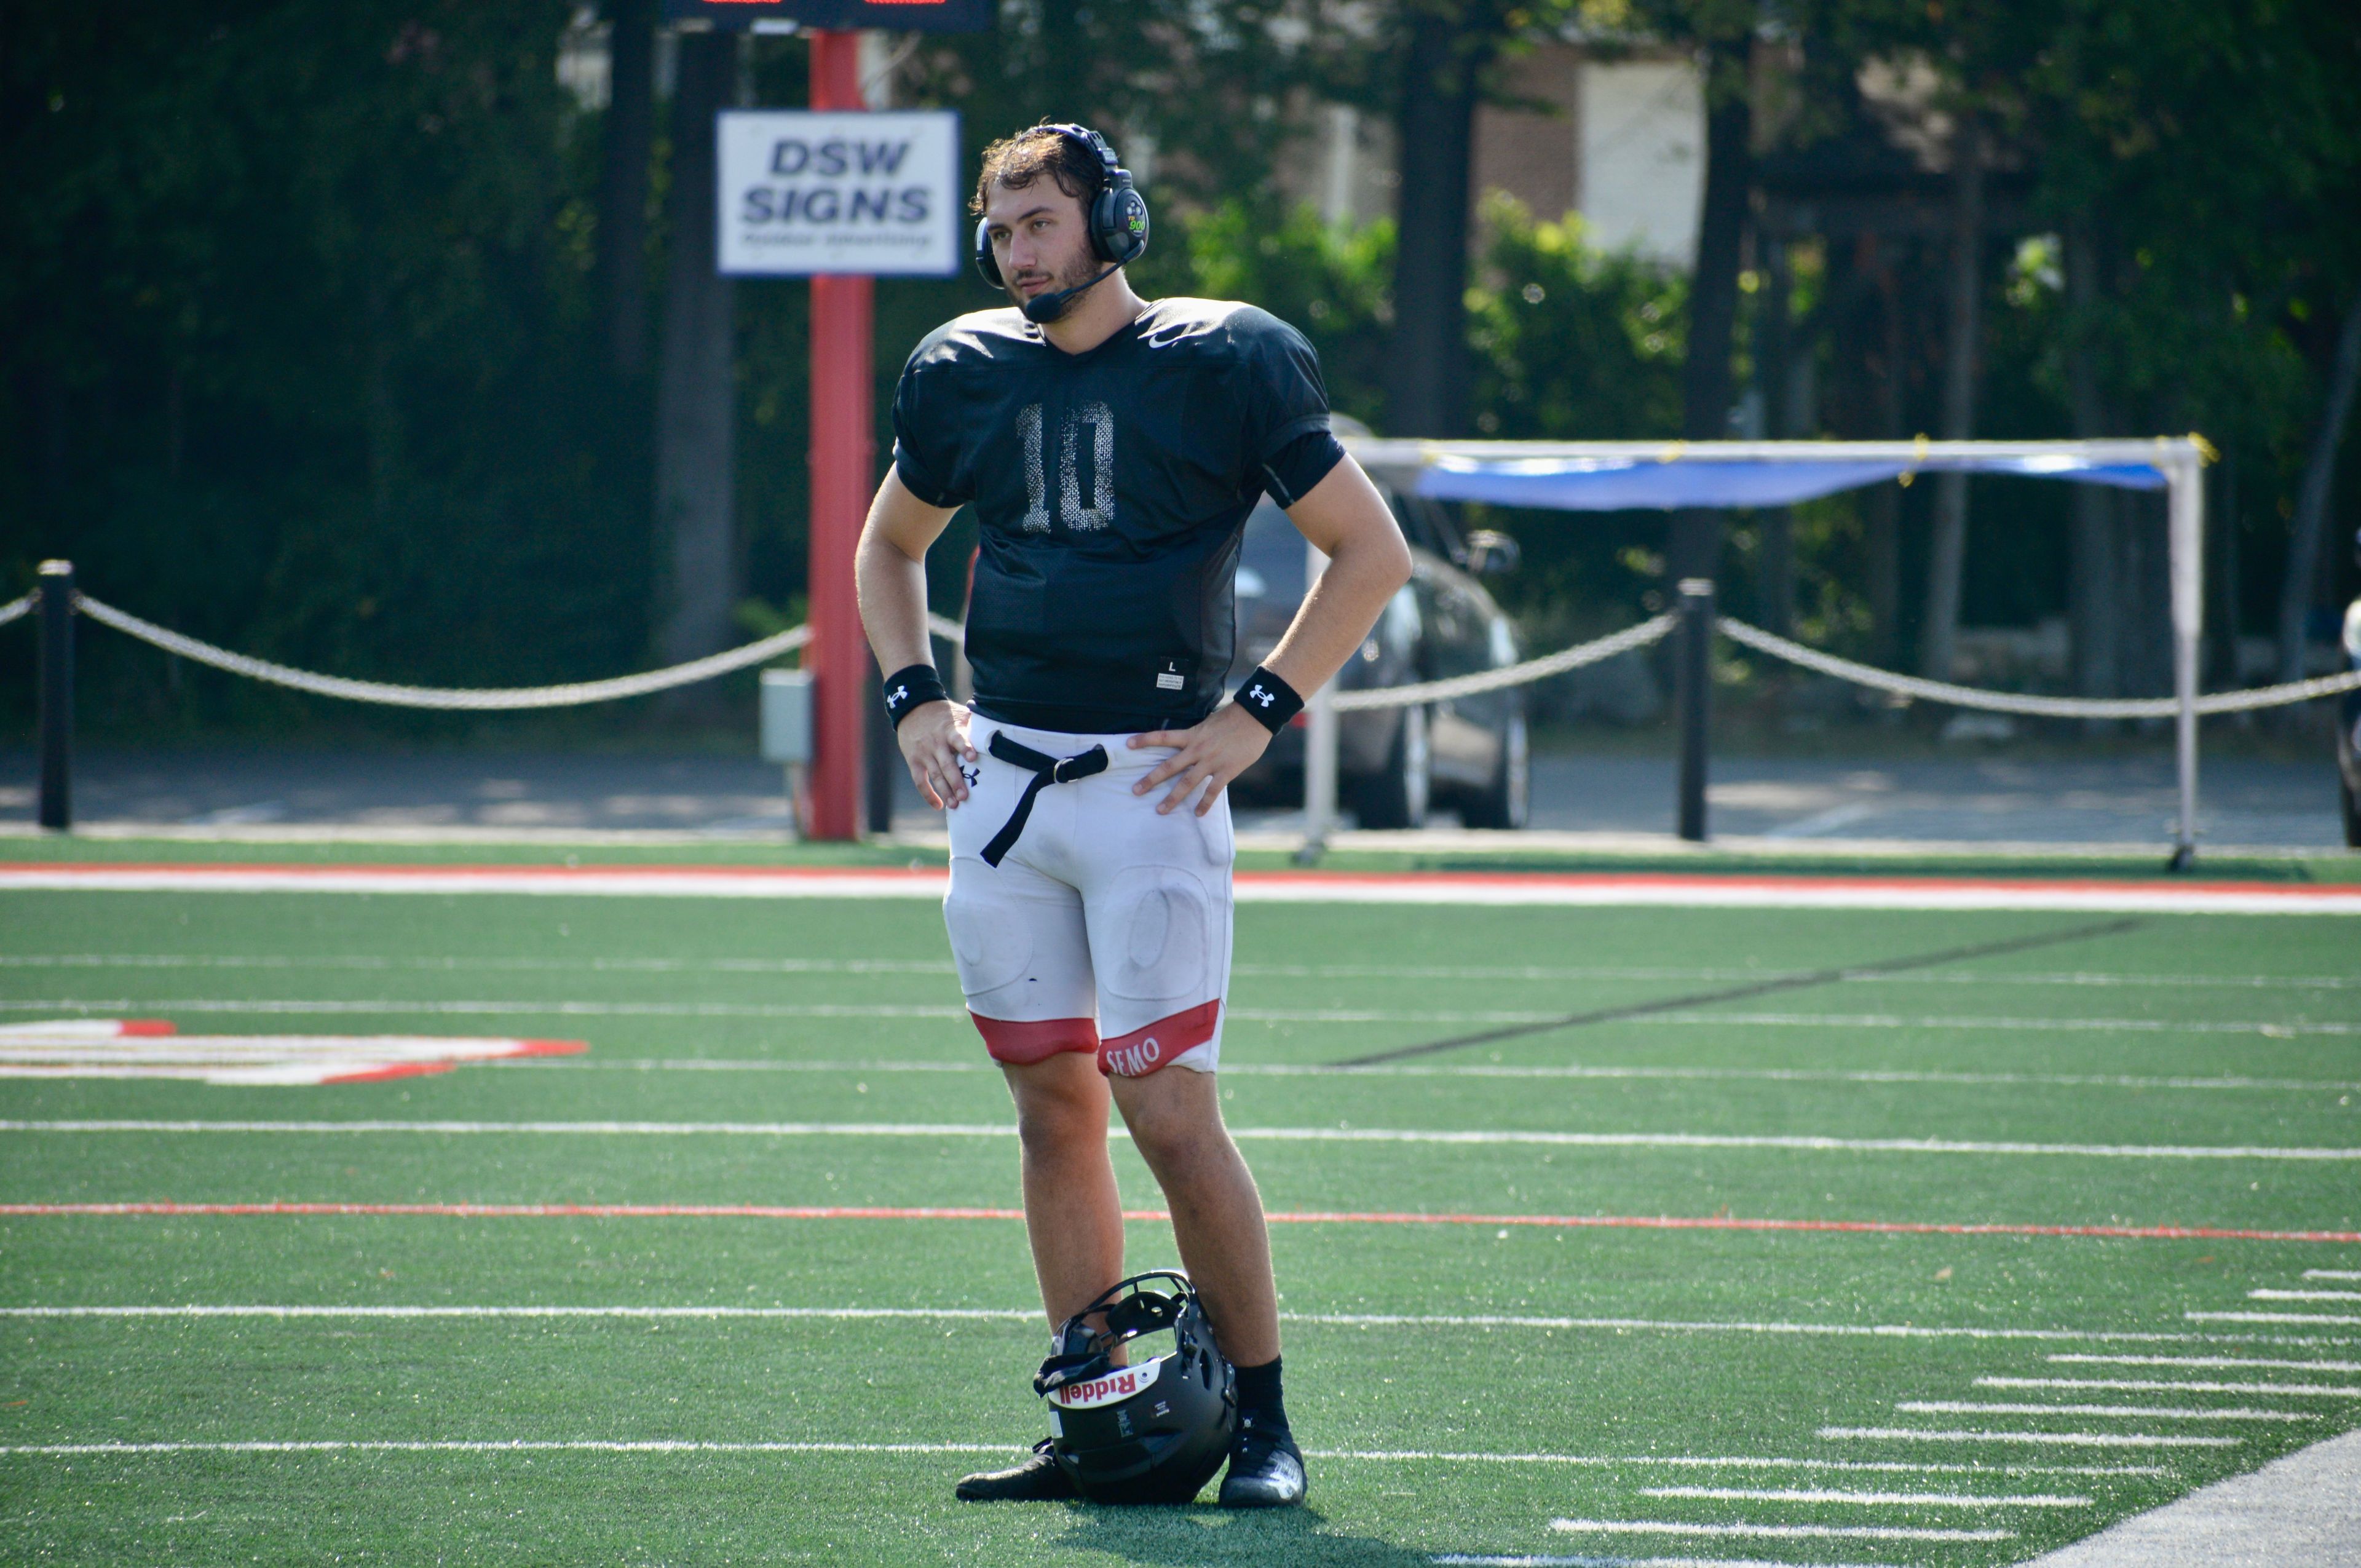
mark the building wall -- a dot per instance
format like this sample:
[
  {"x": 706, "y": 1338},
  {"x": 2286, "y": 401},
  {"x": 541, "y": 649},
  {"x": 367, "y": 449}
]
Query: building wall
[
  {"x": 1620, "y": 142},
  {"x": 1642, "y": 157}
]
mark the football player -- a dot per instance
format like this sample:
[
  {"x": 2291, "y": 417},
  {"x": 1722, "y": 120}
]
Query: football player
[{"x": 1112, "y": 449}]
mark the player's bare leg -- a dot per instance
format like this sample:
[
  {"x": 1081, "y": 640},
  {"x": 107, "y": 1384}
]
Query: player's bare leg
[
  {"x": 1072, "y": 1213},
  {"x": 1074, "y": 1218},
  {"x": 1175, "y": 1118}
]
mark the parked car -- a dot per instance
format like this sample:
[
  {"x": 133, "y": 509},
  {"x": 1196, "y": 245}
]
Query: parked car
[
  {"x": 2348, "y": 724},
  {"x": 1470, "y": 753}
]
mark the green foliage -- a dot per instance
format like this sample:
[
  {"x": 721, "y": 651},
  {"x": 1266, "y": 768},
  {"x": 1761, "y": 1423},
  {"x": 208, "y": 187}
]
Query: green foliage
[
  {"x": 297, "y": 324},
  {"x": 1573, "y": 343},
  {"x": 1332, "y": 283}
]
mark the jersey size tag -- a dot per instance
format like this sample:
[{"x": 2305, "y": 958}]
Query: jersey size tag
[{"x": 1172, "y": 674}]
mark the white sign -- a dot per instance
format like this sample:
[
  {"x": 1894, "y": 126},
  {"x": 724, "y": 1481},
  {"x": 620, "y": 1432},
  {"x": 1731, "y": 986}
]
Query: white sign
[{"x": 804, "y": 193}]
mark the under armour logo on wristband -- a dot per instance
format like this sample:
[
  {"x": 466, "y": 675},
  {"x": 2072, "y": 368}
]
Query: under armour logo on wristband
[
  {"x": 910, "y": 689},
  {"x": 1268, "y": 700}
]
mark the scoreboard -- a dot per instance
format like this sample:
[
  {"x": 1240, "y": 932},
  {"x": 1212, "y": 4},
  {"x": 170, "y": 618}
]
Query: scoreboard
[{"x": 843, "y": 16}]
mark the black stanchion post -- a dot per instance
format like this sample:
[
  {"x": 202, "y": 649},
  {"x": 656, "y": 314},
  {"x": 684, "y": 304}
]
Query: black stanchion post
[
  {"x": 884, "y": 758},
  {"x": 1693, "y": 676},
  {"x": 57, "y": 695}
]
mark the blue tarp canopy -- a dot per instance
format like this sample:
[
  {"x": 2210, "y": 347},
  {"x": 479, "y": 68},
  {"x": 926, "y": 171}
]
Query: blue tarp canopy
[{"x": 1619, "y": 484}]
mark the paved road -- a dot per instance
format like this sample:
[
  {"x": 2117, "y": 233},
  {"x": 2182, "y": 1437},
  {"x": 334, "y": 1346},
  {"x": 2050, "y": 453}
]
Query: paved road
[{"x": 2114, "y": 800}]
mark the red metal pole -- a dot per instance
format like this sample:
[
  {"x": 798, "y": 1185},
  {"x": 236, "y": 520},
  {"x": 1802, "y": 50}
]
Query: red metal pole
[{"x": 843, "y": 452}]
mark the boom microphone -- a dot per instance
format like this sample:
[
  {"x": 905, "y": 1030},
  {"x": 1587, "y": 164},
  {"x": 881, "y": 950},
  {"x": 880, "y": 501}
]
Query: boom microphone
[{"x": 1043, "y": 309}]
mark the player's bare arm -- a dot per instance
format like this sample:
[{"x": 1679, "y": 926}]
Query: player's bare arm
[
  {"x": 890, "y": 567},
  {"x": 1368, "y": 562}
]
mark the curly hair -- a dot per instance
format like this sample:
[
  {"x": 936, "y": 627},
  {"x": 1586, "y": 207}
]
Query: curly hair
[{"x": 1018, "y": 162}]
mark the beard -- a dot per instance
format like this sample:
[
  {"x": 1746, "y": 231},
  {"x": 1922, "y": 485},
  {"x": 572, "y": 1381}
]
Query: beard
[{"x": 1076, "y": 273}]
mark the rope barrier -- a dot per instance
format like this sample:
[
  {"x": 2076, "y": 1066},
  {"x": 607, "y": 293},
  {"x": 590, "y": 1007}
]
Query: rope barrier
[
  {"x": 574, "y": 693},
  {"x": 475, "y": 698},
  {"x": 2016, "y": 702},
  {"x": 1556, "y": 664}
]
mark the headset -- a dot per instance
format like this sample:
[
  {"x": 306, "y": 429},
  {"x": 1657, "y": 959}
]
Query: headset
[{"x": 1117, "y": 215}]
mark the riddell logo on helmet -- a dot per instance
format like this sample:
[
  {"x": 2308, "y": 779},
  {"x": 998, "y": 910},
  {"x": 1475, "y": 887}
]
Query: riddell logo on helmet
[
  {"x": 1114, "y": 1385},
  {"x": 1136, "y": 1061}
]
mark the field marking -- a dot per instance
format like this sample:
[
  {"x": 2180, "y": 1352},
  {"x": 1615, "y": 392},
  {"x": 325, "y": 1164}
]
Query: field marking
[
  {"x": 2166, "y": 1385},
  {"x": 1877, "y": 1499},
  {"x": 2303, "y": 1295},
  {"x": 1590, "y": 889},
  {"x": 2044, "y": 1438},
  {"x": 1550, "y": 973},
  {"x": 2312, "y": 1317},
  {"x": 2126, "y": 1412},
  {"x": 482, "y": 1007},
  {"x": 1338, "y": 1134},
  {"x": 1778, "y": 1531},
  {"x": 126, "y": 1048},
  {"x": 1024, "y": 1314},
  {"x": 2332, "y": 1274},
  {"x": 1510, "y": 1018},
  {"x": 1558, "y": 1559},
  {"x": 1494, "y": 1069},
  {"x": 2210, "y": 1361},
  {"x": 834, "y": 1211},
  {"x": 687, "y": 1445}
]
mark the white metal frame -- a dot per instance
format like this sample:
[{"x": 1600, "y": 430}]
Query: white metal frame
[{"x": 2179, "y": 459}]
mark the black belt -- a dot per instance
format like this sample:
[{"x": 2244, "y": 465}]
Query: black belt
[{"x": 1046, "y": 770}]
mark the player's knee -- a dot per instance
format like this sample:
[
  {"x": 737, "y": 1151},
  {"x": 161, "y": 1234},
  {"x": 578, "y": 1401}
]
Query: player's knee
[{"x": 1061, "y": 1110}]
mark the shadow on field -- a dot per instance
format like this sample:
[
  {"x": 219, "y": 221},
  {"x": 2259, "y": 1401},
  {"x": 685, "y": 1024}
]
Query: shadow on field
[{"x": 1196, "y": 1535}]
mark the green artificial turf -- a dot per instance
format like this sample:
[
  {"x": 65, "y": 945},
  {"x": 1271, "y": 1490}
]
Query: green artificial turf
[{"x": 1608, "y": 1353}]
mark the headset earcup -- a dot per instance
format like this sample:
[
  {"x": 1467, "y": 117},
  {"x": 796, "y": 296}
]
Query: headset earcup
[
  {"x": 1119, "y": 223},
  {"x": 985, "y": 262}
]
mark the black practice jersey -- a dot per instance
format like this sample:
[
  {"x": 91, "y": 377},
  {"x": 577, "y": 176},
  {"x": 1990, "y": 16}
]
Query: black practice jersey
[{"x": 1112, "y": 488}]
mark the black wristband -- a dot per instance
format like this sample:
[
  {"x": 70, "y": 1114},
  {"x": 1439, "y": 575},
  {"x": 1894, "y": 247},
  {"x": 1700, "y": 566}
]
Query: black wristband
[
  {"x": 1271, "y": 701},
  {"x": 910, "y": 687}
]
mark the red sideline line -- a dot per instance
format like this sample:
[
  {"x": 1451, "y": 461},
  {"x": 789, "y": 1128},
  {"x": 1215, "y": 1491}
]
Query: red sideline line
[
  {"x": 1562, "y": 1222},
  {"x": 197, "y": 870}
]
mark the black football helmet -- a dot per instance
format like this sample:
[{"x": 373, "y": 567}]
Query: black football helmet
[{"x": 1152, "y": 1432}]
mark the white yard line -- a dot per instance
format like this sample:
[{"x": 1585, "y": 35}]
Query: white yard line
[
  {"x": 2303, "y": 1295},
  {"x": 1877, "y": 1499},
  {"x": 1479, "y": 1071},
  {"x": 2210, "y": 1361},
  {"x": 1029, "y": 1315},
  {"x": 1545, "y": 973},
  {"x": 559, "y": 1007},
  {"x": 2314, "y": 1319},
  {"x": 1559, "y": 1560},
  {"x": 1338, "y": 1134},
  {"x": 2039, "y": 1439},
  {"x": 1777, "y": 1532},
  {"x": 2332, "y": 1274},
  {"x": 665, "y": 1445},
  {"x": 2155, "y": 1385},
  {"x": 2119, "y": 1412}
]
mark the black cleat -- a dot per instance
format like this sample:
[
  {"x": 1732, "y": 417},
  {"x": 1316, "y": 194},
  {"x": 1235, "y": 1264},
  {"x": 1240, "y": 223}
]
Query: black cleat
[
  {"x": 1038, "y": 1479},
  {"x": 1266, "y": 1470}
]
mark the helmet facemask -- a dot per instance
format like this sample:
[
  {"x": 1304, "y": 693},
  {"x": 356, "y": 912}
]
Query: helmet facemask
[{"x": 1146, "y": 1432}]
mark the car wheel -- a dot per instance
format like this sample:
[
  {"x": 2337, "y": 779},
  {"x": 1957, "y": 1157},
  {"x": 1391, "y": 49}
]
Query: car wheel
[
  {"x": 1507, "y": 801},
  {"x": 1397, "y": 797}
]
